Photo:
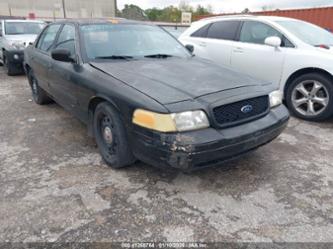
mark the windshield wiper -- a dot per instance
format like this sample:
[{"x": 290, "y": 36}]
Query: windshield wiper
[
  {"x": 159, "y": 56},
  {"x": 16, "y": 34},
  {"x": 115, "y": 57}
]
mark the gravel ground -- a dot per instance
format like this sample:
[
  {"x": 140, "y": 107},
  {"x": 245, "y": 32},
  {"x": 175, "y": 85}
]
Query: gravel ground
[{"x": 55, "y": 187}]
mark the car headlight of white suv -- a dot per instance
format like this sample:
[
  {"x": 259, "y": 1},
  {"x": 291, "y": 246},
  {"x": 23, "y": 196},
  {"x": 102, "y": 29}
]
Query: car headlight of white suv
[{"x": 275, "y": 98}]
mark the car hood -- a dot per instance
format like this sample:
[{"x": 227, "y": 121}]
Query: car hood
[
  {"x": 173, "y": 80},
  {"x": 26, "y": 39}
]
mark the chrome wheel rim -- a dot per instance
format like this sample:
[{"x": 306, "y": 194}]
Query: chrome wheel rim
[
  {"x": 109, "y": 139},
  {"x": 310, "y": 98},
  {"x": 107, "y": 134}
]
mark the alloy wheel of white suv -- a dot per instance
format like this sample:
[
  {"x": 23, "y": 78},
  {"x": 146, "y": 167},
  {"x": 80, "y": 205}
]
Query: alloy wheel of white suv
[{"x": 310, "y": 97}]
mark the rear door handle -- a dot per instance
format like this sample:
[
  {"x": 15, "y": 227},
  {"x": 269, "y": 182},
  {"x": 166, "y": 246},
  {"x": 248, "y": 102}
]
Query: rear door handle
[
  {"x": 202, "y": 44},
  {"x": 239, "y": 50}
]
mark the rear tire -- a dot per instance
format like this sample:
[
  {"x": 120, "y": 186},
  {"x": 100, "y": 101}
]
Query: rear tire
[
  {"x": 111, "y": 137},
  {"x": 310, "y": 97},
  {"x": 38, "y": 94}
]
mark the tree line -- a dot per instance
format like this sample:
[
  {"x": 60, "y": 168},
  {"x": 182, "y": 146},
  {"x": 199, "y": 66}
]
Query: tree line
[{"x": 167, "y": 14}]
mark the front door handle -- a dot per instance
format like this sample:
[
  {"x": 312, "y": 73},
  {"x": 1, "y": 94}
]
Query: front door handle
[
  {"x": 203, "y": 44},
  {"x": 239, "y": 50}
]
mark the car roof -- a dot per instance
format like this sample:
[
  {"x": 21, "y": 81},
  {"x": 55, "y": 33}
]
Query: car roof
[
  {"x": 23, "y": 20},
  {"x": 101, "y": 21},
  {"x": 240, "y": 17}
]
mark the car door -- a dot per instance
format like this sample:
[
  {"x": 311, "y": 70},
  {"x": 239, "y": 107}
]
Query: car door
[
  {"x": 40, "y": 59},
  {"x": 214, "y": 41},
  {"x": 220, "y": 41},
  {"x": 62, "y": 74},
  {"x": 251, "y": 56},
  {"x": 1, "y": 39}
]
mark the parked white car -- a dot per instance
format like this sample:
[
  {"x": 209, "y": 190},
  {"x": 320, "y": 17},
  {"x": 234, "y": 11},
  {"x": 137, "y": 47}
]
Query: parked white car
[
  {"x": 295, "y": 55},
  {"x": 15, "y": 36}
]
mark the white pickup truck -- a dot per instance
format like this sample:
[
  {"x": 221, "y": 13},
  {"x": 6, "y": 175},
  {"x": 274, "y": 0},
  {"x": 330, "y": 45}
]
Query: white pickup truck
[{"x": 15, "y": 36}]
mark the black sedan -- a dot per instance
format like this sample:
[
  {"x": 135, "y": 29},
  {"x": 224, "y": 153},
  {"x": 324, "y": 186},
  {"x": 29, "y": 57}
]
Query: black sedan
[{"x": 145, "y": 97}]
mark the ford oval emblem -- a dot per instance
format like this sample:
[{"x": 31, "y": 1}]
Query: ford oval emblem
[{"x": 247, "y": 109}]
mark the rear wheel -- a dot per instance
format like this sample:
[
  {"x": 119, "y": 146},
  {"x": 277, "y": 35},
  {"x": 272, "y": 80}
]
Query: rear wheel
[
  {"x": 310, "y": 97},
  {"x": 39, "y": 95},
  {"x": 111, "y": 136}
]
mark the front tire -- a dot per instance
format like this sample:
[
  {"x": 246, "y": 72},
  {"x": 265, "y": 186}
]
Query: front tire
[
  {"x": 111, "y": 137},
  {"x": 310, "y": 97},
  {"x": 38, "y": 94}
]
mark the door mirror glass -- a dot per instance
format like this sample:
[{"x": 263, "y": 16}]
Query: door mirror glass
[
  {"x": 63, "y": 55},
  {"x": 190, "y": 48},
  {"x": 273, "y": 41}
]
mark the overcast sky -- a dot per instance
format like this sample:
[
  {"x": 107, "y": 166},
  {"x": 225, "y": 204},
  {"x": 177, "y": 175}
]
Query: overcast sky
[{"x": 230, "y": 5}]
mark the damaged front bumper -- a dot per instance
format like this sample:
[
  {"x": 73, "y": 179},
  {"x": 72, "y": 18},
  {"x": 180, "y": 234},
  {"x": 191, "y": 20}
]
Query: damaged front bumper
[{"x": 207, "y": 147}]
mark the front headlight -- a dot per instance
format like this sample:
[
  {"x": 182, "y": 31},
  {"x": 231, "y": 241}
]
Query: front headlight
[
  {"x": 184, "y": 121},
  {"x": 275, "y": 98}
]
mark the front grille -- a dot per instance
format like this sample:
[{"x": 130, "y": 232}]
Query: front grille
[{"x": 231, "y": 114}]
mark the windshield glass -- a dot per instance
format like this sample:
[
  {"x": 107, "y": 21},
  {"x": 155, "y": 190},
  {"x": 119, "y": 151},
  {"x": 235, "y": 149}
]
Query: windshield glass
[
  {"x": 123, "y": 41},
  {"x": 20, "y": 28},
  {"x": 308, "y": 32}
]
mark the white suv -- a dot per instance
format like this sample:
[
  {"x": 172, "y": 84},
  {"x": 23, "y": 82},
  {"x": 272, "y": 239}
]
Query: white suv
[
  {"x": 15, "y": 36},
  {"x": 295, "y": 55}
]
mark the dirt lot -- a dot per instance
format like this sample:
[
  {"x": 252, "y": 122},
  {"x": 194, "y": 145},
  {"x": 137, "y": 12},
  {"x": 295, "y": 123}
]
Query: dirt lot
[{"x": 54, "y": 186}]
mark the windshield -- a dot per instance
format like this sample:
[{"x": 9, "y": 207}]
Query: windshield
[
  {"x": 308, "y": 32},
  {"x": 175, "y": 31},
  {"x": 20, "y": 28},
  {"x": 124, "y": 41}
]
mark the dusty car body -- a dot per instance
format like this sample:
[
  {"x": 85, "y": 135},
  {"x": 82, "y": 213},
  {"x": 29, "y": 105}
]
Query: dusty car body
[{"x": 166, "y": 109}]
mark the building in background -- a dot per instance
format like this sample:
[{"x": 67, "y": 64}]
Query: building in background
[
  {"x": 322, "y": 17},
  {"x": 58, "y": 9}
]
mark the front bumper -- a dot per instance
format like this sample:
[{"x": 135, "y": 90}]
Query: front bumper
[
  {"x": 208, "y": 147},
  {"x": 15, "y": 56},
  {"x": 15, "y": 60}
]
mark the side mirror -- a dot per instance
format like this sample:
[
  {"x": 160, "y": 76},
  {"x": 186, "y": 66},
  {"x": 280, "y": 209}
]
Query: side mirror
[
  {"x": 190, "y": 48},
  {"x": 63, "y": 55},
  {"x": 273, "y": 41}
]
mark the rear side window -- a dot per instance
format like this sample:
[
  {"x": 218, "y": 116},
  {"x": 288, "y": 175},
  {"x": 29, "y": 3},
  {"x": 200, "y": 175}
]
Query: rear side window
[
  {"x": 47, "y": 38},
  {"x": 66, "y": 39},
  {"x": 202, "y": 32},
  {"x": 224, "y": 30},
  {"x": 257, "y": 32}
]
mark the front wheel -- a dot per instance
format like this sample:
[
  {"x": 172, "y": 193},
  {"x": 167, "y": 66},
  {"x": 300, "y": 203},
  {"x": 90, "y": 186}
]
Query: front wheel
[
  {"x": 38, "y": 94},
  {"x": 111, "y": 137},
  {"x": 310, "y": 97}
]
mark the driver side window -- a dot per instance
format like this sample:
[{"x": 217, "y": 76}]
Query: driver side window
[
  {"x": 66, "y": 39},
  {"x": 257, "y": 32},
  {"x": 47, "y": 38}
]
